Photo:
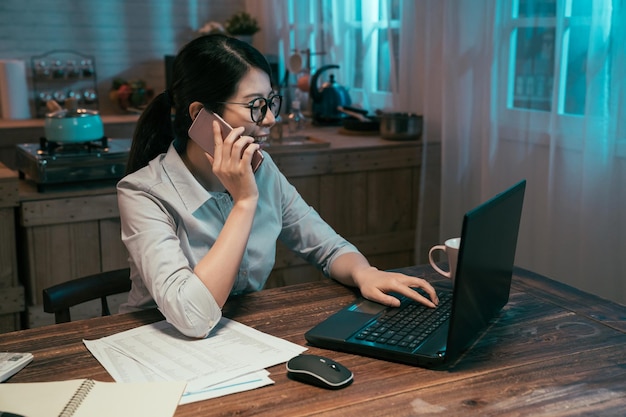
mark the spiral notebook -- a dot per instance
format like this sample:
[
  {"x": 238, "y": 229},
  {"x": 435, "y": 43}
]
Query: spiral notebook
[{"x": 89, "y": 398}]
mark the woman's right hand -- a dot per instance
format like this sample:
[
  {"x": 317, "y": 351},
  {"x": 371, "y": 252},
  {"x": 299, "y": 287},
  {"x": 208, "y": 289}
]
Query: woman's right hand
[{"x": 232, "y": 163}]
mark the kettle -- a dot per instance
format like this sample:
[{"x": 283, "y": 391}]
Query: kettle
[
  {"x": 326, "y": 99},
  {"x": 72, "y": 125}
]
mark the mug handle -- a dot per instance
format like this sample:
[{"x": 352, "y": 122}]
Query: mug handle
[{"x": 446, "y": 274}]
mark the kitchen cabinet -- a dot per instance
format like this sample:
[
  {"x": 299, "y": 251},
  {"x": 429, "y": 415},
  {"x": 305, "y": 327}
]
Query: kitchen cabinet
[
  {"x": 364, "y": 187},
  {"x": 12, "y": 301},
  {"x": 66, "y": 235}
]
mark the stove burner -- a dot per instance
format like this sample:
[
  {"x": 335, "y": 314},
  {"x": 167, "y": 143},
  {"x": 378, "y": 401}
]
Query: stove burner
[
  {"x": 57, "y": 165},
  {"x": 51, "y": 148}
]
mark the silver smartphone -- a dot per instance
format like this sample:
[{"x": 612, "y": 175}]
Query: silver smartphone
[{"x": 201, "y": 132}]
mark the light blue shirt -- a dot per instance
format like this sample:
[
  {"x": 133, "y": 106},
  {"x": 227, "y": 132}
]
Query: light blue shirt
[{"x": 169, "y": 222}]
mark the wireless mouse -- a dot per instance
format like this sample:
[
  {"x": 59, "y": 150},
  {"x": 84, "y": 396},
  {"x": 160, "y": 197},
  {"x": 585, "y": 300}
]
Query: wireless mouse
[{"x": 319, "y": 371}]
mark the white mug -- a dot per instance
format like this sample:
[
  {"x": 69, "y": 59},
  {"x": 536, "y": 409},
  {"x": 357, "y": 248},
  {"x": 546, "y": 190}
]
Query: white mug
[{"x": 451, "y": 249}]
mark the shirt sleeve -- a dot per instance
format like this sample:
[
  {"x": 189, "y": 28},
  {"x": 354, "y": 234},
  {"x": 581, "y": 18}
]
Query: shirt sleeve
[
  {"x": 306, "y": 233},
  {"x": 149, "y": 233}
]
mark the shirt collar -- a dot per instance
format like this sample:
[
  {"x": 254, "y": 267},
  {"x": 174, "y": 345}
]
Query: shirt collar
[{"x": 190, "y": 191}]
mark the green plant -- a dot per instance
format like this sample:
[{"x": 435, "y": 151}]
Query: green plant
[
  {"x": 130, "y": 94},
  {"x": 242, "y": 23}
]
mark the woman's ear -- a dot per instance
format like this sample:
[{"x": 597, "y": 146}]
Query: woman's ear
[{"x": 194, "y": 109}]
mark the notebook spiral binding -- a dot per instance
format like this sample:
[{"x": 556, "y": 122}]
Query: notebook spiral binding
[{"x": 78, "y": 397}]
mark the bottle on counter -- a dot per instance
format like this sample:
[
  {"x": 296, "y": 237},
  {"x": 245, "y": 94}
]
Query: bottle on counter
[
  {"x": 276, "y": 132},
  {"x": 295, "y": 120}
]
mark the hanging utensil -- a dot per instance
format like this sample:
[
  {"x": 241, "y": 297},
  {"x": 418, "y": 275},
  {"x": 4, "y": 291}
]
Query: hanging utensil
[{"x": 295, "y": 63}]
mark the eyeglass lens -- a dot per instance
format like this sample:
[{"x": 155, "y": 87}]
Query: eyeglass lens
[{"x": 260, "y": 105}]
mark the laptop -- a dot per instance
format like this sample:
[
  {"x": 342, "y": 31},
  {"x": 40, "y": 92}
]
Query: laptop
[{"x": 481, "y": 288}]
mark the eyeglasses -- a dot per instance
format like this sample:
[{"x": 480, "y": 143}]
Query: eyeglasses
[{"x": 258, "y": 107}]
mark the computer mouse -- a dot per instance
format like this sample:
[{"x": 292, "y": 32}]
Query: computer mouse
[{"x": 319, "y": 371}]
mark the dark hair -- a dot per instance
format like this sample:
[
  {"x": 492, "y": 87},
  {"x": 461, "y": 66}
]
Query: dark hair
[{"x": 208, "y": 69}]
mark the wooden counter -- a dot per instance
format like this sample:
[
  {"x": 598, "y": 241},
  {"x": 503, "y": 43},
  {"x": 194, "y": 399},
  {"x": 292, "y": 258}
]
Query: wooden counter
[{"x": 365, "y": 187}]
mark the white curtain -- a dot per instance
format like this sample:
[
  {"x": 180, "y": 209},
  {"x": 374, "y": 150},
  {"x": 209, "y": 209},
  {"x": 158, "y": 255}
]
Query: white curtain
[{"x": 574, "y": 219}]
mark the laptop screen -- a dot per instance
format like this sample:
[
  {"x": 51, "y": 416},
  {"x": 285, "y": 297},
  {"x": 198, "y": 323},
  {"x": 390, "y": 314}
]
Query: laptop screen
[{"x": 485, "y": 265}]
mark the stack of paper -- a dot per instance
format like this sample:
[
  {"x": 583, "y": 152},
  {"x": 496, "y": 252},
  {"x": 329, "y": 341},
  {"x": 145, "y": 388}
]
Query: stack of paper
[
  {"x": 232, "y": 359},
  {"x": 13, "y": 362}
]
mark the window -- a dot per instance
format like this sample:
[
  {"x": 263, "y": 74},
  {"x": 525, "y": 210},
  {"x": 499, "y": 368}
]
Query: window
[
  {"x": 544, "y": 61},
  {"x": 374, "y": 35},
  {"x": 373, "y": 39},
  {"x": 362, "y": 36},
  {"x": 540, "y": 29},
  {"x": 306, "y": 32}
]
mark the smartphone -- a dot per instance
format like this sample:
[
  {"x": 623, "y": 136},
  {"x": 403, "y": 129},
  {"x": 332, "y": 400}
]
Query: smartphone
[{"x": 201, "y": 132}]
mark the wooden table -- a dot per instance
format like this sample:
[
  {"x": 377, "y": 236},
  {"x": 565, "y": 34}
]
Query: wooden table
[{"x": 554, "y": 351}]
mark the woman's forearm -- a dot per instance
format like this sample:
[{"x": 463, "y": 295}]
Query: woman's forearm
[
  {"x": 219, "y": 267},
  {"x": 346, "y": 268}
]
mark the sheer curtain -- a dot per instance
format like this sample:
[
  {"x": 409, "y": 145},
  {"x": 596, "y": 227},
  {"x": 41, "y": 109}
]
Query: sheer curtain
[
  {"x": 450, "y": 70},
  {"x": 574, "y": 219},
  {"x": 321, "y": 26}
]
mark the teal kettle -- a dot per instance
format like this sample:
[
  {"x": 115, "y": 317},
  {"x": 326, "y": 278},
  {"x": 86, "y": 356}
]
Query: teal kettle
[{"x": 327, "y": 98}]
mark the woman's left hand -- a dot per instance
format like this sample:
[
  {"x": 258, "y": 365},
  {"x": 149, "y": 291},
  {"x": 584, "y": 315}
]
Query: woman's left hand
[
  {"x": 353, "y": 269},
  {"x": 376, "y": 285}
]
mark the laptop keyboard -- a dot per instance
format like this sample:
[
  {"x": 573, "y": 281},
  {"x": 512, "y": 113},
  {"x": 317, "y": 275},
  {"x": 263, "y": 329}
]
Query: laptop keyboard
[{"x": 408, "y": 325}]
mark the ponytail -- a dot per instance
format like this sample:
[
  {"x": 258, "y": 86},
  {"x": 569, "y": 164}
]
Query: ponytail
[{"x": 153, "y": 133}]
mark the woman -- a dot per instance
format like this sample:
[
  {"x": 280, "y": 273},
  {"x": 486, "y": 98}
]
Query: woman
[{"x": 199, "y": 228}]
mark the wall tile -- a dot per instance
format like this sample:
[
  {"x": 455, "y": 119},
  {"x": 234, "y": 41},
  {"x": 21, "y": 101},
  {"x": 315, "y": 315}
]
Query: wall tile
[{"x": 128, "y": 38}]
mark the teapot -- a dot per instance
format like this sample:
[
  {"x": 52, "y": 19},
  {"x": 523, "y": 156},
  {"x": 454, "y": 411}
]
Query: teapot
[{"x": 326, "y": 99}]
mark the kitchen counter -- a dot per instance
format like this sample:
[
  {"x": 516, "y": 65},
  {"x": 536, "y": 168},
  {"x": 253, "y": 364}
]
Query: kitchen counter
[
  {"x": 13, "y": 132},
  {"x": 314, "y": 149}
]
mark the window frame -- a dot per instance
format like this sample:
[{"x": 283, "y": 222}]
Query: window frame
[
  {"x": 316, "y": 18},
  {"x": 540, "y": 126},
  {"x": 375, "y": 20}
]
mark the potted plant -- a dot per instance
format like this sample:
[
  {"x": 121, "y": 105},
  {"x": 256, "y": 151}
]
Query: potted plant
[{"x": 242, "y": 25}]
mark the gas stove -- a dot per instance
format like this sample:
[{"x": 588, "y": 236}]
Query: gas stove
[{"x": 52, "y": 164}]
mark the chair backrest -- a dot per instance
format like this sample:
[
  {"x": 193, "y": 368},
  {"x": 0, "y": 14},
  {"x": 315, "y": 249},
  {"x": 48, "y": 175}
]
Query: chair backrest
[{"x": 59, "y": 298}]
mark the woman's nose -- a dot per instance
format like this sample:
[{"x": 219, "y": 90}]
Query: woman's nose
[{"x": 269, "y": 119}]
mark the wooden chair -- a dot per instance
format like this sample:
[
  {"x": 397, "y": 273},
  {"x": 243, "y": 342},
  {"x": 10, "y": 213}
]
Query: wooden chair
[{"x": 59, "y": 298}]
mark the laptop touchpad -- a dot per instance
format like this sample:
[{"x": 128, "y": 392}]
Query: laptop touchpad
[
  {"x": 367, "y": 307},
  {"x": 344, "y": 323}
]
